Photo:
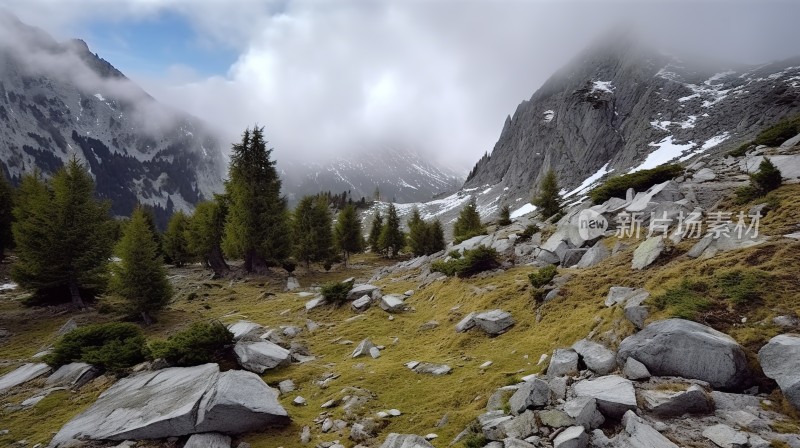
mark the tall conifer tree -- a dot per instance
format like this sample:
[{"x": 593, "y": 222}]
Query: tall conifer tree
[
  {"x": 392, "y": 239},
  {"x": 347, "y": 234}
]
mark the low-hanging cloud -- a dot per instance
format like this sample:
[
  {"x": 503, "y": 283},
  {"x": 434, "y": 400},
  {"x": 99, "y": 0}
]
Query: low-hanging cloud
[{"x": 439, "y": 77}]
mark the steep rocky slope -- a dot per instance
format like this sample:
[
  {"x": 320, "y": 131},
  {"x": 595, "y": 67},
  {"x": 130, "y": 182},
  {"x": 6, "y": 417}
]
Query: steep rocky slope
[{"x": 58, "y": 100}]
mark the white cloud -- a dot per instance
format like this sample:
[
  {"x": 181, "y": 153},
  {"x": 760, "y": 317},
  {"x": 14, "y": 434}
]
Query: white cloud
[{"x": 437, "y": 76}]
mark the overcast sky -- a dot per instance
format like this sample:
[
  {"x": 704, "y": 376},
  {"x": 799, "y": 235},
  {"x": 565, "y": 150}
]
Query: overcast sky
[{"x": 437, "y": 76}]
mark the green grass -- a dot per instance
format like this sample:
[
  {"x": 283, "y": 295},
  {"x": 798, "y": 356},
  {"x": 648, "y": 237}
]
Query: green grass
[{"x": 685, "y": 301}]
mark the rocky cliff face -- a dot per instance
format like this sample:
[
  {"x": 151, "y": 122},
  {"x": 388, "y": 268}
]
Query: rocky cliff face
[
  {"x": 619, "y": 107},
  {"x": 58, "y": 100}
]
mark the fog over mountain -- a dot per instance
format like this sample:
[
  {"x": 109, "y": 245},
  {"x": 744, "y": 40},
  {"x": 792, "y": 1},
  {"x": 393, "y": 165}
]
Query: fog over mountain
[{"x": 330, "y": 78}]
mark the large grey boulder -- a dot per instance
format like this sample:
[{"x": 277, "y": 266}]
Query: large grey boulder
[
  {"x": 677, "y": 347},
  {"x": 73, "y": 375},
  {"x": 638, "y": 434},
  {"x": 664, "y": 403},
  {"x": 530, "y": 394},
  {"x": 208, "y": 440},
  {"x": 246, "y": 330},
  {"x": 392, "y": 303},
  {"x": 597, "y": 358},
  {"x": 668, "y": 191},
  {"x": 467, "y": 323},
  {"x": 395, "y": 440},
  {"x": 563, "y": 362},
  {"x": 634, "y": 370},
  {"x": 175, "y": 402},
  {"x": 572, "y": 257},
  {"x": 572, "y": 437},
  {"x": 261, "y": 356},
  {"x": 794, "y": 141},
  {"x": 594, "y": 256},
  {"x": 583, "y": 411},
  {"x": 361, "y": 304},
  {"x": 494, "y": 322},
  {"x": 647, "y": 252},
  {"x": 363, "y": 290},
  {"x": 726, "y": 239},
  {"x": 780, "y": 360},
  {"x": 22, "y": 374},
  {"x": 615, "y": 395}
]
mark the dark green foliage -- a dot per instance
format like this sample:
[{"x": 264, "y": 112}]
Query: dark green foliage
[
  {"x": 257, "y": 224},
  {"x": 6, "y": 215},
  {"x": 425, "y": 238},
  {"x": 617, "y": 186},
  {"x": 205, "y": 231},
  {"x": 347, "y": 234},
  {"x": 176, "y": 240},
  {"x": 454, "y": 254},
  {"x": 686, "y": 301},
  {"x": 435, "y": 238},
  {"x": 201, "y": 343},
  {"x": 139, "y": 277},
  {"x": 780, "y": 132},
  {"x": 311, "y": 224},
  {"x": 375, "y": 233},
  {"x": 473, "y": 261},
  {"x": 468, "y": 224},
  {"x": 392, "y": 239},
  {"x": 548, "y": 201},
  {"x": 62, "y": 235},
  {"x": 112, "y": 346},
  {"x": 505, "y": 216},
  {"x": 766, "y": 179},
  {"x": 543, "y": 276},
  {"x": 742, "y": 287},
  {"x": 741, "y": 150},
  {"x": 336, "y": 292},
  {"x": 475, "y": 440},
  {"x": 530, "y": 230}
]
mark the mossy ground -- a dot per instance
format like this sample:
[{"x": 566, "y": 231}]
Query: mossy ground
[{"x": 424, "y": 400}]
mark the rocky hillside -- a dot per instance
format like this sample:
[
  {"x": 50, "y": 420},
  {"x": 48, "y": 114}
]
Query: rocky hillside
[
  {"x": 619, "y": 107},
  {"x": 399, "y": 175},
  {"x": 672, "y": 337},
  {"x": 59, "y": 100}
]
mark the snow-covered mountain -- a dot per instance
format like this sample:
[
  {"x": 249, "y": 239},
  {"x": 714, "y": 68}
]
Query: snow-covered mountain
[
  {"x": 59, "y": 100},
  {"x": 399, "y": 176},
  {"x": 620, "y": 107}
]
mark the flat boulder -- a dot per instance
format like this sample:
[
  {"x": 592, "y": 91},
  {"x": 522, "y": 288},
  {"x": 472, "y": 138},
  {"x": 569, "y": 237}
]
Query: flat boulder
[
  {"x": 362, "y": 290},
  {"x": 530, "y": 394},
  {"x": 467, "y": 323},
  {"x": 208, "y": 440},
  {"x": 647, "y": 252},
  {"x": 677, "y": 347},
  {"x": 392, "y": 303},
  {"x": 780, "y": 360},
  {"x": 638, "y": 434},
  {"x": 261, "y": 356},
  {"x": 245, "y": 329},
  {"x": 597, "y": 358},
  {"x": 563, "y": 362},
  {"x": 614, "y": 395},
  {"x": 429, "y": 368},
  {"x": 662, "y": 403},
  {"x": 361, "y": 304},
  {"x": 572, "y": 437},
  {"x": 73, "y": 375},
  {"x": 395, "y": 440},
  {"x": 494, "y": 322},
  {"x": 175, "y": 402},
  {"x": 22, "y": 374}
]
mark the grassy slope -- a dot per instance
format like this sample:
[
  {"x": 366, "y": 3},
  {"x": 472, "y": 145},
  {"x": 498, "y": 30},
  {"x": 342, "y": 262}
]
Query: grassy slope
[{"x": 425, "y": 399}]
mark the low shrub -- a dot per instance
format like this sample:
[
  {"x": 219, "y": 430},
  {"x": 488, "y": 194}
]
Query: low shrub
[
  {"x": 336, "y": 292},
  {"x": 766, "y": 179},
  {"x": 201, "y": 343},
  {"x": 454, "y": 254},
  {"x": 476, "y": 260},
  {"x": 530, "y": 230},
  {"x": 617, "y": 186},
  {"x": 741, "y": 286},
  {"x": 741, "y": 151},
  {"x": 542, "y": 276},
  {"x": 686, "y": 301},
  {"x": 780, "y": 132},
  {"x": 112, "y": 346}
]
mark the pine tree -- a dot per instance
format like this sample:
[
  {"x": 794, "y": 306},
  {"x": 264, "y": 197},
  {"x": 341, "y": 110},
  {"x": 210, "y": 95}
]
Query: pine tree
[
  {"x": 767, "y": 178},
  {"x": 505, "y": 215},
  {"x": 150, "y": 219},
  {"x": 312, "y": 230},
  {"x": 63, "y": 235},
  {"x": 375, "y": 233},
  {"x": 468, "y": 223},
  {"x": 140, "y": 276},
  {"x": 257, "y": 223},
  {"x": 204, "y": 234},
  {"x": 176, "y": 245},
  {"x": 417, "y": 234},
  {"x": 6, "y": 215},
  {"x": 548, "y": 200},
  {"x": 392, "y": 238},
  {"x": 435, "y": 239},
  {"x": 347, "y": 233}
]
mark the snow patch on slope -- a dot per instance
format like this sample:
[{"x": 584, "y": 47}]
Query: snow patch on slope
[
  {"x": 590, "y": 181},
  {"x": 666, "y": 151}
]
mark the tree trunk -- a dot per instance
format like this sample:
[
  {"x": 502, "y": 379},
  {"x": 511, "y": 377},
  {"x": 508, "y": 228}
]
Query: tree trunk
[
  {"x": 248, "y": 261},
  {"x": 217, "y": 262},
  {"x": 75, "y": 294},
  {"x": 146, "y": 318}
]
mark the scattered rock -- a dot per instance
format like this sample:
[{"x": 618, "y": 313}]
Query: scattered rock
[
  {"x": 363, "y": 290},
  {"x": 67, "y": 327},
  {"x": 786, "y": 321},
  {"x": 291, "y": 331},
  {"x": 704, "y": 175},
  {"x": 780, "y": 360},
  {"x": 594, "y": 256},
  {"x": 597, "y": 358},
  {"x": 563, "y": 362},
  {"x": 429, "y": 368},
  {"x": 246, "y": 330},
  {"x": 315, "y": 303},
  {"x": 208, "y": 440},
  {"x": 634, "y": 370},
  {"x": 392, "y": 303},
  {"x": 21, "y": 375},
  {"x": 286, "y": 386},
  {"x": 583, "y": 411},
  {"x": 621, "y": 295},
  {"x": 177, "y": 401},
  {"x": 362, "y": 304},
  {"x": 726, "y": 437},
  {"x": 261, "y": 356},
  {"x": 73, "y": 375},
  {"x": 615, "y": 395},
  {"x": 363, "y": 348},
  {"x": 292, "y": 284},
  {"x": 555, "y": 418},
  {"x": 677, "y": 347},
  {"x": 305, "y": 435},
  {"x": 647, "y": 252},
  {"x": 299, "y": 401},
  {"x": 467, "y": 323},
  {"x": 694, "y": 400},
  {"x": 572, "y": 437},
  {"x": 638, "y": 434},
  {"x": 395, "y": 440},
  {"x": 530, "y": 394},
  {"x": 494, "y": 322}
]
